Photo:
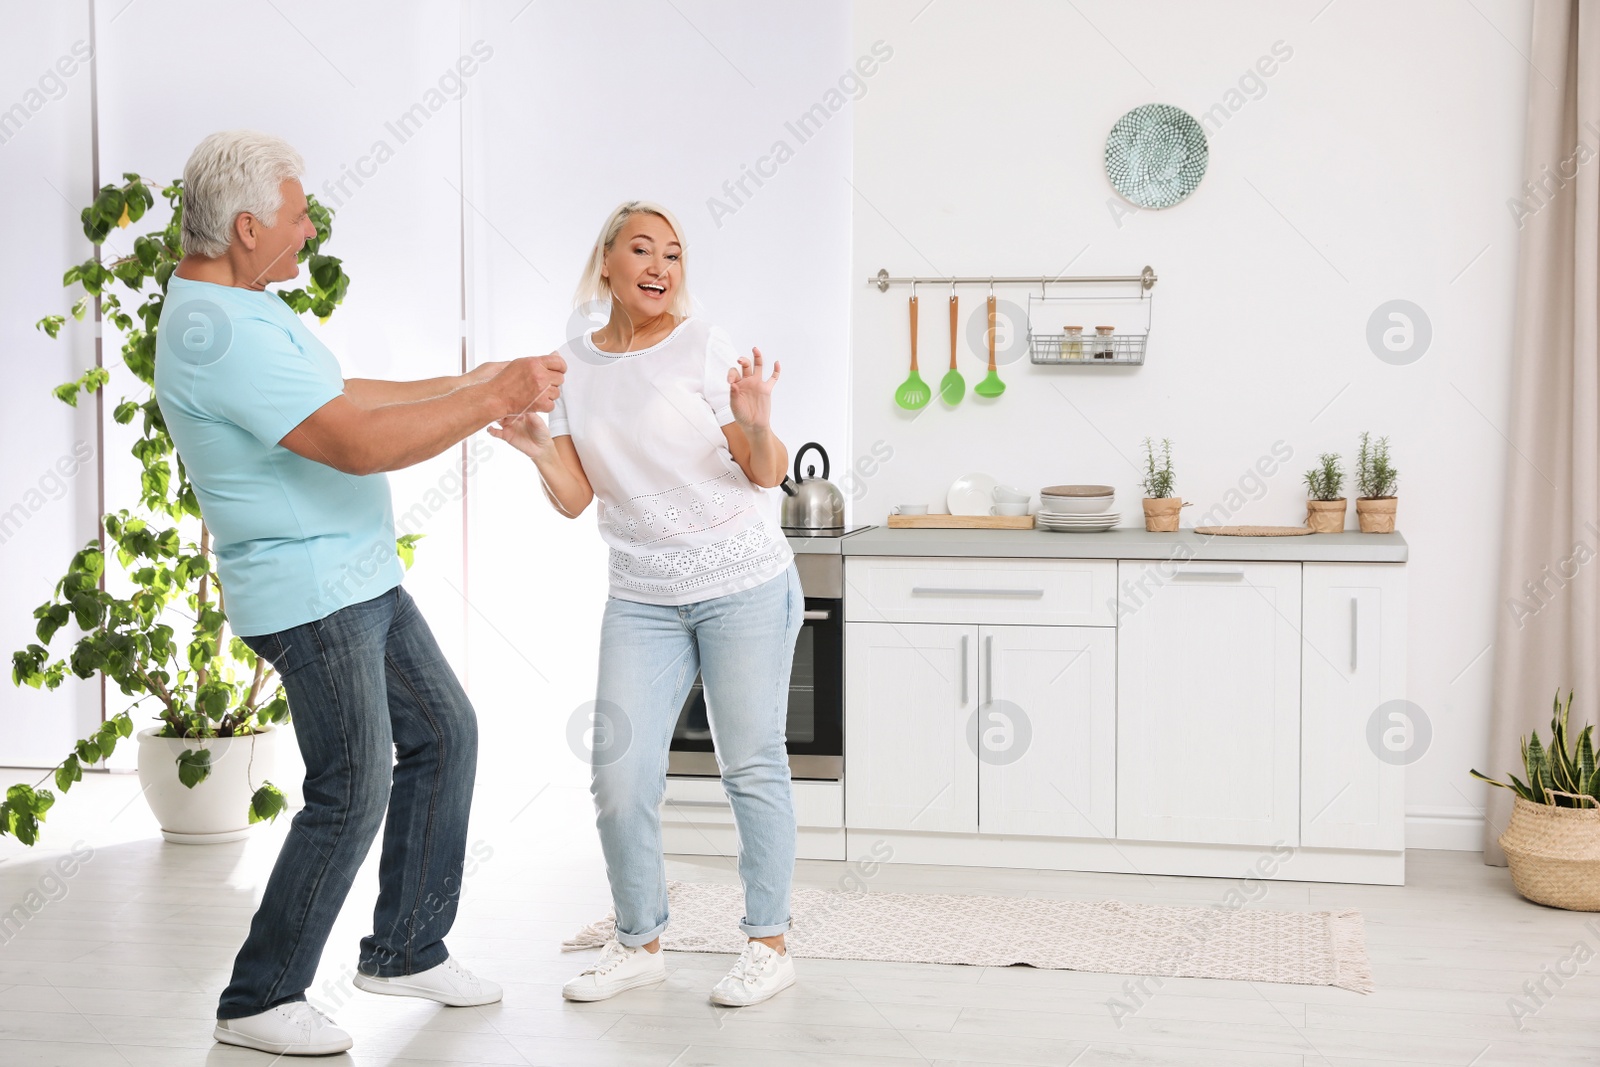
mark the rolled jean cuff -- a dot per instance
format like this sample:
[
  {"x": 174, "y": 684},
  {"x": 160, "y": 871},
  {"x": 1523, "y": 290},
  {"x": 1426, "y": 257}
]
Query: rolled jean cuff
[
  {"x": 640, "y": 940},
  {"x": 764, "y": 931}
]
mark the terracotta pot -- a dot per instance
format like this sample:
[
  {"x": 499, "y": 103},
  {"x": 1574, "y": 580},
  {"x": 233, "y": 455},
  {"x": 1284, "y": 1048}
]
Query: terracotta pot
[
  {"x": 217, "y": 809},
  {"x": 1161, "y": 513},
  {"x": 1554, "y": 854},
  {"x": 1376, "y": 513},
  {"x": 1326, "y": 516}
]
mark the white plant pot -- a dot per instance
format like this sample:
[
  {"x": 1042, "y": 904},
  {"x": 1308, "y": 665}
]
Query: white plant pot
[{"x": 217, "y": 809}]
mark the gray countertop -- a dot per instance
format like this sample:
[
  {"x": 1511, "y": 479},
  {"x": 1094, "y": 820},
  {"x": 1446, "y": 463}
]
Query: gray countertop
[{"x": 1348, "y": 547}]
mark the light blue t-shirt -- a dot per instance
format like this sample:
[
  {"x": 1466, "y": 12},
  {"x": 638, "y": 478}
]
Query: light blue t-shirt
[{"x": 296, "y": 540}]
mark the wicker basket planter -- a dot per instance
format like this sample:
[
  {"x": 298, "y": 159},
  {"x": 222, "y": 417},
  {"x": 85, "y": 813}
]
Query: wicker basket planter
[{"x": 1554, "y": 854}]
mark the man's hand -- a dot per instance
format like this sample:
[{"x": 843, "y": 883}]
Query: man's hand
[
  {"x": 529, "y": 384},
  {"x": 484, "y": 371}
]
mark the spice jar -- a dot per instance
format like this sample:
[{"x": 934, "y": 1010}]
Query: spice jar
[
  {"x": 1072, "y": 346},
  {"x": 1103, "y": 348}
]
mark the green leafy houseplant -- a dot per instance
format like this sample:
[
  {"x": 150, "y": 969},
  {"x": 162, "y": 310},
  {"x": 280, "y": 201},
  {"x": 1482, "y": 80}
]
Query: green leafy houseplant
[
  {"x": 1325, "y": 481},
  {"x": 204, "y": 683},
  {"x": 1374, "y": 476},
  {"x": 1157, "y": 474},
  {"x": 1562, "y": 775}
]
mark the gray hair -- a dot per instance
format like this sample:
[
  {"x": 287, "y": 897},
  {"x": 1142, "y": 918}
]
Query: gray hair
[{"x": 228, "y": 174}]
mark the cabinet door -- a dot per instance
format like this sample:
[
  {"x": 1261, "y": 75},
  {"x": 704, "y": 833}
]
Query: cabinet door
[
  {"x": 1352, "y": 771},
  {"x": 1208, "y": 703},
  {"x": 1046, "y": 732},
  {"x": 909, "y": 690}
]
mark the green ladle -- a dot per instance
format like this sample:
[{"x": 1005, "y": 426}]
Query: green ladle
[
  {"x": 913, "y": 393},
  {"x": 952, "y": 387},
  {"x": 991, "y": 386}
]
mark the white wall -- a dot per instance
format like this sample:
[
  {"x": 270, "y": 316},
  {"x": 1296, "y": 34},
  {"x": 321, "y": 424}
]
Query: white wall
[
  {"x": 580, "y": 108},
  {"x": 1373, "y": 164},
  {"x": 47, "y": 511}
]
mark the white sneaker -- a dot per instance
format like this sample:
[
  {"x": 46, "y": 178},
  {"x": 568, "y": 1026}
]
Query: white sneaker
[
  {"x": 293, "y": 1029},
  {"x": 448, "y": 983},
  {"x": 759, "y": 974},
  {"x": 618, "y": 968}
]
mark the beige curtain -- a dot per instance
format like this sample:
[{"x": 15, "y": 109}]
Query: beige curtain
[{"x": 1548, "y": 630}]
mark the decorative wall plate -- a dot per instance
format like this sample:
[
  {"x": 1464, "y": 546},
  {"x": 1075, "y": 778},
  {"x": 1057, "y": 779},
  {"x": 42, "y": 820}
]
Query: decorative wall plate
[{"x": 1156, "y": 155}]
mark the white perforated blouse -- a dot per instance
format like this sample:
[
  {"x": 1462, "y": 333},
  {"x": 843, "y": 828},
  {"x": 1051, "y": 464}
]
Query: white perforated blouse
[{"x": 683, "y": 521}]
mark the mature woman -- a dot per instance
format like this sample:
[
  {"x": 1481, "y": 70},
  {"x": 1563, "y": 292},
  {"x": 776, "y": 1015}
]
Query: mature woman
[{"x": 662, "y": 421}]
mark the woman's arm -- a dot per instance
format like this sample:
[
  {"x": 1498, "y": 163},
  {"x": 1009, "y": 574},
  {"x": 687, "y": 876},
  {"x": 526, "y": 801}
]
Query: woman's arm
[
  {"x": 754, "y": 446},
  {"x": 560, "y": 470}
]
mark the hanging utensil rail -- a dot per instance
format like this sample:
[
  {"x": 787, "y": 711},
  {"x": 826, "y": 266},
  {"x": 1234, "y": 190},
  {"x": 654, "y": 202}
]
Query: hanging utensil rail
[{"x": 1145, "y": 279}]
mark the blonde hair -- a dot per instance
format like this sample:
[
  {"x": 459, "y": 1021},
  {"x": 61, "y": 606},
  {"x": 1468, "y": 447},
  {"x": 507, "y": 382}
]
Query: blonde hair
[{"x": 593, "y": 285}]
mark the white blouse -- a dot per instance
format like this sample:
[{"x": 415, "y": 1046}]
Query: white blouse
[{"x": 683, "y": 521}]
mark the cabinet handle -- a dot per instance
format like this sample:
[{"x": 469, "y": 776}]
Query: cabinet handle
[
  {"x": 988, "y": 666},
  {"x": 1355, "y": 629},
  {"x": 931, "y": 590},
  {"x": 1225, "y": 574},
  {"x": 963, "y": 670},
  {"x": 817, "y": 615}
]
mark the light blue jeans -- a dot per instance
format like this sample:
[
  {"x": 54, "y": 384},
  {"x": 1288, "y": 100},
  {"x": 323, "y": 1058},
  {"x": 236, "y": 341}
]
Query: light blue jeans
[{"x": 743, "y": 646}]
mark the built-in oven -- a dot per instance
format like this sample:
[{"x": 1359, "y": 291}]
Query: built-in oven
[{"x": 815, "y": 728}]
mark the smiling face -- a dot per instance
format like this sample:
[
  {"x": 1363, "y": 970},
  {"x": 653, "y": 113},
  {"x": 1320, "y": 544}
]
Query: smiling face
[
  {"x": 271, "y": 251},
  {"x": 644, "y": 267}
]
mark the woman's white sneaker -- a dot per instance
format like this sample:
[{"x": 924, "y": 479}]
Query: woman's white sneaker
[
  {"x": 449, "y": 983},
  {"x": 293, "y": 1029},
  {"x": 618, "y": 968},
  {"x": 759, "y": 974}
]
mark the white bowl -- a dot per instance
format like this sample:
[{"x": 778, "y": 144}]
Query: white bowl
[{"x": 1075, "y": 505}]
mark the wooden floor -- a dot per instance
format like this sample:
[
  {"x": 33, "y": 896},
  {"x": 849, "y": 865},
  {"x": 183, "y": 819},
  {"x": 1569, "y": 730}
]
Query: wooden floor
[{"x": 121, "y": 965}]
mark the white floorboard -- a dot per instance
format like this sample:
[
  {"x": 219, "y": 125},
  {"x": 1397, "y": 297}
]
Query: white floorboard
[{"x": 123, "y": 967}]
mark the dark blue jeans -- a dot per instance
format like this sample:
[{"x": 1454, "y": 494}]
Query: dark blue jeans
[{"x": 385, "y": 729}]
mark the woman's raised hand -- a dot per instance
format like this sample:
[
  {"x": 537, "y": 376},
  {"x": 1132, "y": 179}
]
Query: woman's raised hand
[
  {"x": 750, "y": 395},
  {"x": 527, "y": 432}
]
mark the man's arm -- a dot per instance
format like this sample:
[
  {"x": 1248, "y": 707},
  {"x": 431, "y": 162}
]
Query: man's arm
[
  {"x": 375, "y": 392},
  {"x": 348, "y": 437}
]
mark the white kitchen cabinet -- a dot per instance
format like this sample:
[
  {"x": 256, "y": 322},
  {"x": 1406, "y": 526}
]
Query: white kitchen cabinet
[
  {"x": 1046, "y": 737},
  {"x": 1036, "y": 592},
  {"x": 1352, "y": 771},
  {"x": 911, "y": 689},
  {"x": 1208, "y": 703}
]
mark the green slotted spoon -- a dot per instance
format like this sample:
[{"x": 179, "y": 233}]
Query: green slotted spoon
[
  {"x": 991, "y": 386},
  {"x": 952, "y": 387},
  {"x": 913, "y": 393}
]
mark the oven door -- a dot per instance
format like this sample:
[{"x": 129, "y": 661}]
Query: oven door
[{"x": 815, "y": 725}]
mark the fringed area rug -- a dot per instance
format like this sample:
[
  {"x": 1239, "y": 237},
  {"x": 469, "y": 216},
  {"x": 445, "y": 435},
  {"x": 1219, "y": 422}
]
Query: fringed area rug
[{"x": 1248, "y": 945}]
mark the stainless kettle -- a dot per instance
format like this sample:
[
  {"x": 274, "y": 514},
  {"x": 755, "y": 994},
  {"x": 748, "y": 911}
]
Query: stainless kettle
[{"x": 812, "y": 503}]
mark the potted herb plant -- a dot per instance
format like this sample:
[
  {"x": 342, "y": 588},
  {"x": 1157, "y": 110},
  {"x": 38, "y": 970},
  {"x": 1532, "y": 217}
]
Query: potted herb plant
[
  {"x": 1552, "y": 843},
  {"x": 157, "y": 632},
  {"x": 1325, "y": 508},
  {"x": 1376, "y": 479},
  {"x": 1160, "y": 506}
]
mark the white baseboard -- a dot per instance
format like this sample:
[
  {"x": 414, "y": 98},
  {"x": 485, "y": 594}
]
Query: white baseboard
[{"x": 1455, "y": 829}]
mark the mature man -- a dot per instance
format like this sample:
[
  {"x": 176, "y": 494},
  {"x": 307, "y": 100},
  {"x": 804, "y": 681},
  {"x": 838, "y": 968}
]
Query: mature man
[{"x": 287, "y": 459}]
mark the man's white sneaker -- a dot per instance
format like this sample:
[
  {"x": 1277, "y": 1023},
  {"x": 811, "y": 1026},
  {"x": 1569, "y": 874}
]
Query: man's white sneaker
[
  {"x": 293, "y": 1029},
  {"x": 759, "y": 974},
  {"x": 448, "y": 983},
  {"x": 619, "y": 967}
]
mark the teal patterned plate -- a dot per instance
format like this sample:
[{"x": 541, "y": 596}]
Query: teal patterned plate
[{"x": 1156, "y": 155}]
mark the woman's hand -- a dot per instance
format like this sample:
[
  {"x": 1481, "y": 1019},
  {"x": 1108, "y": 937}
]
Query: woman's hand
[
  {"x": 528, "y": 433},
  {"x": 749, "y": 395}
]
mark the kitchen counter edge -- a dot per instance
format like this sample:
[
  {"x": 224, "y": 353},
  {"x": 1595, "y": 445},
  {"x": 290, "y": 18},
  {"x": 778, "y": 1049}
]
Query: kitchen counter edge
[{"x": 1348, "y": 547}]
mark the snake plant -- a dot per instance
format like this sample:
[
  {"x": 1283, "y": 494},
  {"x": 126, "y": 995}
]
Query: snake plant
[{"x": 1562, "y": 775}]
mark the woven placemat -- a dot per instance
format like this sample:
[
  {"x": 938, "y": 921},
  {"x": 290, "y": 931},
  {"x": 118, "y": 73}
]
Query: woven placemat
[{"x": 1254, "y": 531}]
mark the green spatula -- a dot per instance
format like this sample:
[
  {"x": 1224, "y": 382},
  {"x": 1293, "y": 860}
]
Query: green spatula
[
  {"x": 913, "y": 393},
  {"x": 991, "y": 386},
  {"x": 952, "y": 387}
]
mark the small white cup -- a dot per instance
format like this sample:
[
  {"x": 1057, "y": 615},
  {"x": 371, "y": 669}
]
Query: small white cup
[
  {"x": 1006, "y": 494},
  {"x": 1009, "y": 509},
  {"x": 910, "y": 509}
]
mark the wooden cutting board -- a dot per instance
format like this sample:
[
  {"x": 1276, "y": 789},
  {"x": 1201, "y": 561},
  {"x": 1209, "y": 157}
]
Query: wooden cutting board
[{"x": 961, "y": 522}]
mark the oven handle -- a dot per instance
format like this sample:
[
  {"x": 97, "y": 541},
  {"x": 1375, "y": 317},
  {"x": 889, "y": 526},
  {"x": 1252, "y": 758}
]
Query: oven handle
[{"x": 817, "y": 614}]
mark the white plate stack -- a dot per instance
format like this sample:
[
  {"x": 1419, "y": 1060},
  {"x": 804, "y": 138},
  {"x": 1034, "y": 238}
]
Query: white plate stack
[{"x": 1077, "y": 508}]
